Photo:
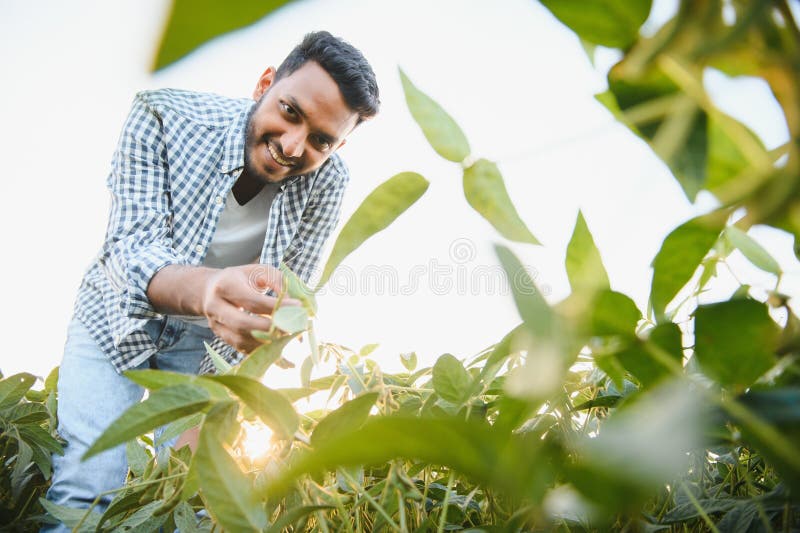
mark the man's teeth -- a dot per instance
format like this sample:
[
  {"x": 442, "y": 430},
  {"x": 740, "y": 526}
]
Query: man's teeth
[{"x": 278, "y": 158}]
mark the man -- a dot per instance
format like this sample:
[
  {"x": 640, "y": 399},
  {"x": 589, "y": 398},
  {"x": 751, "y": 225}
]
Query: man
[{"x": 209, "y": 195}]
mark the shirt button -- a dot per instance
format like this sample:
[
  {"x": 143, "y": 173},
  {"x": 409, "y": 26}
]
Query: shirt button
[
  {"x": 218, "y": 200},
  {"x": 199, "y": 248}
]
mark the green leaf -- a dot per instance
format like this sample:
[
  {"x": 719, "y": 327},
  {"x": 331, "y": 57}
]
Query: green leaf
[
  {"x": 305, "y": 371},
  {"x": 726, "y": 159},
  {"x": 193, "y": 22},
  {"x": 226, "y": 490},
  {"x": 177, "y": 427},
  {"x": 584, "y": 266},
  {"x": 379, "y": 209},
  {"x": 293, "y": 515},
  {"x": 367, "y": 349},
  {"x": 220, "y": 364},
  {"x": 753, "y": 251},
  {"x": 735, "y": 341},
  {"x": 450, "y": 380},
  {"x": 297, "y": 289},
  {"x": 13, "y": 388},
  {"x": 162, "y": 406},
  {"x": 272, "y": 407},
  {"x": 291, "y": 319},
  {"x": 532, "y": 307},
  {"x": 137, "y": 457},
  {"x": 654, "y": 107},
  {"x": 486, "y": 193},
  {"x": 639, "y": 361},
  {"x": 71, "y": 517},
  {"x": 613, "y": 23},
  {"x": 681, "y": 253},
  {"x": 409, "y": 360},
  {"x": 512, "y": 463},
  {"x": 439, "y": 128},
  {"x": 256, "y": 364},
  {"x": 349, "y": 417},
  {"x": 185, "y": 519},
  {"x": 613, "y": 313},
  {"x": 159, "y": 379}
]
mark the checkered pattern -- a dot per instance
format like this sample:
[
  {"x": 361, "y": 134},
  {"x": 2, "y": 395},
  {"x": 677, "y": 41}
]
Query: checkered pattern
[{"x": 178, "y": 154}]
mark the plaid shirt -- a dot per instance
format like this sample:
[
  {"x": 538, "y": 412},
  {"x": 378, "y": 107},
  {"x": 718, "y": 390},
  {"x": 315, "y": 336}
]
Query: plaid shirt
[{"x": 178, "y": 156}]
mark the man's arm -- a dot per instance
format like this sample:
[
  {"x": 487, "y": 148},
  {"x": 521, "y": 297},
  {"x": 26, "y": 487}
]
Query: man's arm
[{"x": 231, "y": 298}]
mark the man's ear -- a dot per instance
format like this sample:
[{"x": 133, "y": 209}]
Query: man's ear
[{"x": 264, "y": 83}]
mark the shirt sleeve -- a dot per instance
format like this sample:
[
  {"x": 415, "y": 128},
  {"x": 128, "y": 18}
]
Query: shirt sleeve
[
  {"x": 318, "y": 221},
  {"x": 139, "y": 237}
]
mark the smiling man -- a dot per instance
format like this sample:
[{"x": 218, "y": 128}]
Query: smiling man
[{"x": 209, "y": 195}]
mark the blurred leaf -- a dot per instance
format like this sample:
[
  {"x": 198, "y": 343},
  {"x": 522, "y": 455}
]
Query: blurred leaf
[
  {"x": 639, "y": 360},
  {"x": 272, "y": 407},
  {"x": 613, "y": 313},
  {"x": 510, "y": 463},
  {"x": 226, "y": 490},
  {"x": 643, "y": 445},
  {"x": 486, "y": 193},
  {"x": 13, "y": 388},
  {"x": 776, "y": 406},
  {"x": 584, "y": 266},
  {"x": 161, "y": 407},
  {"x": 305, "y": 371},
  {"x": 379, "y": 209},
  {"x": 177, "y": 427},
  {"x": 726, "y": 159},
  {"x": 439, "y": 128},
  {"x": 735, "y": 341},
  {"x": 532, "y": 307},
  {"x": 193, "y": 22},
  {"x": 681, "y": 253},
  {"x": 450, "y": 380},
  {"x": 753, "y": 251},
  {"x": 349, "y": 417},
  {"x": 291, "y": 319},
  {"x": 256, "y": 364},
  {"x": 653, "y": 106},
  {"x": 297, "y": 288},
  {"x": 613, "y": 23}
]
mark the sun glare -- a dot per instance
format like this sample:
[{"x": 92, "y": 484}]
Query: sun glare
[{"x": 256, "y": 441}]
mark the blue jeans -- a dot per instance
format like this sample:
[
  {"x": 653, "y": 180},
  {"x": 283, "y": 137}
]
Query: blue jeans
[{"x": 91, "y": 395}]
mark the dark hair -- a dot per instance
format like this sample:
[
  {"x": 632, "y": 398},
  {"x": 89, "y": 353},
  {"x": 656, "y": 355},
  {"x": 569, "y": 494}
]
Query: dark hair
[{"x": 344, "y": 63}]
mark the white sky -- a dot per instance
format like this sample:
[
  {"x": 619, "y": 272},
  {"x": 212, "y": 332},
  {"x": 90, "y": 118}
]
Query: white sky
[{"x": 517, "y": 82}]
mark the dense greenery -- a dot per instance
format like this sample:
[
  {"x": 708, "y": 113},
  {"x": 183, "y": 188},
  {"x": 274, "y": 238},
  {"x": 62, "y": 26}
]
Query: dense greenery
[{"x": 589, "y": 415}]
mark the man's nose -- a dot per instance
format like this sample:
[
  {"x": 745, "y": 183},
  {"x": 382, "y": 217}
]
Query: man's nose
[{"x": 292, "y": 143}]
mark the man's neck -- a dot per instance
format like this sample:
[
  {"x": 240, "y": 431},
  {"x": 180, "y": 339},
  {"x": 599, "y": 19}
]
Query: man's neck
[{"x": 246, "y": 188}]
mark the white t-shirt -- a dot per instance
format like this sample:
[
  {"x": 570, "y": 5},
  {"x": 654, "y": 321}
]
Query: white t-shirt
[{"x": 239, "y": 236}]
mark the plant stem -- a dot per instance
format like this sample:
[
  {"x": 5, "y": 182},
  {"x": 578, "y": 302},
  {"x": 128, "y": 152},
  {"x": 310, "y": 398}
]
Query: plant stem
[{"x": 445, "y": 503}]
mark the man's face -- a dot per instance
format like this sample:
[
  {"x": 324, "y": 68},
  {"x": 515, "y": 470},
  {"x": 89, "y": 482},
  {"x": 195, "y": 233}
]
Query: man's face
[{"x": 298, "y": 122}]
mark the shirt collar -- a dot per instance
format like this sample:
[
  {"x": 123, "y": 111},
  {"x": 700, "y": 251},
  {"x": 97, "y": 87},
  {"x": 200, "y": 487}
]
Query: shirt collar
[{"x": 233, "y": 144}]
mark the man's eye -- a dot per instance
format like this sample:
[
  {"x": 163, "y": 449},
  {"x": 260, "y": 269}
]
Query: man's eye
[
  {"x": 322, "y": 144},
  {"x": 288, "y": 109}
]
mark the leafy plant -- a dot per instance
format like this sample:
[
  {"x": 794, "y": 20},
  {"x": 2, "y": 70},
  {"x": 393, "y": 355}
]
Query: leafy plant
[{"x": 591, "y": 414}]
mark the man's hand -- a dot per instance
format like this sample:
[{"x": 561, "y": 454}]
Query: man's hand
[{"x": 231, "y": 298}]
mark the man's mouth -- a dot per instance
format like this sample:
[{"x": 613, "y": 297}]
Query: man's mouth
[{"x": 277, "y": 157}]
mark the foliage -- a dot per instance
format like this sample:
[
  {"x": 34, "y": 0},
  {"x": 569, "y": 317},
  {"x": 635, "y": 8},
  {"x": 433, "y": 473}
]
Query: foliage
[
  {"x": 589, "y": 415},
  {"x": 27, "y": 438}
]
